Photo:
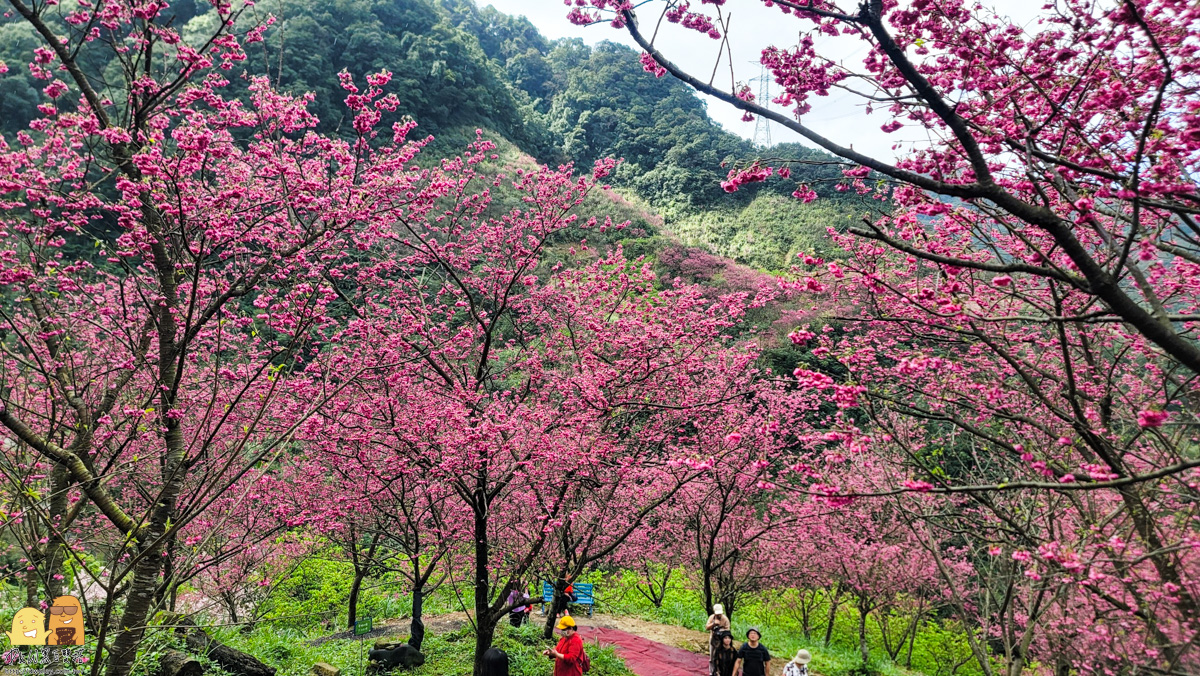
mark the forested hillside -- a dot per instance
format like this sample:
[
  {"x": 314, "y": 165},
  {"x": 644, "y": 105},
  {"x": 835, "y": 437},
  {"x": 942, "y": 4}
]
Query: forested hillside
[{"x": 457, "y": 66}]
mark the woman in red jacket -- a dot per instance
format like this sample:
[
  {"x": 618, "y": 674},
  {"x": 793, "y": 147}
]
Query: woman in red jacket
[{"x": 568, "y": 654}]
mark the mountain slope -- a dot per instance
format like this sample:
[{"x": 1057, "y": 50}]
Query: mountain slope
[{"x": 457, "y": 65}]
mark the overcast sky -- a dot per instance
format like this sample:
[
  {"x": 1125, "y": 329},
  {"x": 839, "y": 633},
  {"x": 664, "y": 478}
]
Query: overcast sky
[{"x": 839, "y": 116}]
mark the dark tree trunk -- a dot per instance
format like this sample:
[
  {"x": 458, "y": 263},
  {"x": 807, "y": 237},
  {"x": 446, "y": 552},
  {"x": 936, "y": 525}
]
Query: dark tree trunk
[
  {"x": 355, "y": 587},
  {"x": 230, "y": 605},
  {"x": 557, "y": 605},
  {"x": 708, "y": 592},
  {"x": 231, "y": 660},
  {"x": 31, "y": 587},
  {"x": 137, "y": 607},
  {"x": 175, "y": 663},
  {"x": 483, "y": 640},
  {"x": 863, "y": 611},
  {"x": 417, "y": 627},
  {"x": 485, "y": 622},
  {"x": 658, "y": 595},
  {"x": 833, "y": 608}
]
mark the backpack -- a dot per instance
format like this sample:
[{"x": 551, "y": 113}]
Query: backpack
[{"x": 585, "y": 662}]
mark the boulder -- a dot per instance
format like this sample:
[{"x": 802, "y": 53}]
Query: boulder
[
  {"x": 325, "y": 669},
  {"x": 385, "y": 643},
  {"x": 403, "y": 656}
]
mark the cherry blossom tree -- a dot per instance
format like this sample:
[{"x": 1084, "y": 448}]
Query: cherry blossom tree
[
  {"x": 1072, "y": 141},
  {"x": 654, "y": 553},
  {"x": 520, "y": 386},
  {"x": 357, "y": 489},
  {"x": 1021, "y": 308},
  {"x": 169, "y": 251}
]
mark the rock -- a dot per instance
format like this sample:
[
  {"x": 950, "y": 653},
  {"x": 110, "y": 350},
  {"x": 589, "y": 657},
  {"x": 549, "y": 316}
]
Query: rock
[
  {"x": 325, "y": 669},
  {"x": 386, "y": 643},
  {"x": 403, "y": 655}
]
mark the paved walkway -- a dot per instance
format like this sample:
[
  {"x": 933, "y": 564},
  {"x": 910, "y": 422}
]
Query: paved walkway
[{"x": 645, "y": 657}]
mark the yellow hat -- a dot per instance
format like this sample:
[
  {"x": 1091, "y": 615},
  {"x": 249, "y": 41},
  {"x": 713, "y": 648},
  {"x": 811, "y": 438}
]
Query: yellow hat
[{"x": 565, "y": 622}]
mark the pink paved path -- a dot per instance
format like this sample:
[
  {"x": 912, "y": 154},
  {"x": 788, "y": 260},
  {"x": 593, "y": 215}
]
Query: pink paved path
[{"x": 648, "y": 658}]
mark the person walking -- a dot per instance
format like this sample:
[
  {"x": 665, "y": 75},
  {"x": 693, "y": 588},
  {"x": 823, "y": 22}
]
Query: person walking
[
  {"x": 717, "y": 624},
  {"x": 726, "y": 656},
  {"x": 752, "y": 656},
  {"x": 515, "y": 614},
  {"x": 568, "y": 654},
  {"x": 799, "y": 664}
]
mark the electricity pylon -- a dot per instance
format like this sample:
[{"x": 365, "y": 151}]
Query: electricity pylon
[{"x": 762, "y": 126}]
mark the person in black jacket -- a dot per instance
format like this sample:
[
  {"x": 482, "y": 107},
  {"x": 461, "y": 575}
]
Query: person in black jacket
[
  {"x": 752, "y": 656},
  {"x": 724, "y": 656}
]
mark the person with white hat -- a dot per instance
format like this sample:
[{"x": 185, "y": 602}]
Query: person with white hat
[
  {"x": 718, "y": 623},
  {"x": 799, "y": 664}
]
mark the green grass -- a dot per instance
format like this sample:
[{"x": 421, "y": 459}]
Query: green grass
[
  {"x": 291, "y": 652},
  {"x": 767, "y": 233},
  {"x": 311, "y": 604}
]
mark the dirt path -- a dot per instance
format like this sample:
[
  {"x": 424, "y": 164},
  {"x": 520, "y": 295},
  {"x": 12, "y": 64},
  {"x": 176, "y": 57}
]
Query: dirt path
[{"x": 645, "y": 657}]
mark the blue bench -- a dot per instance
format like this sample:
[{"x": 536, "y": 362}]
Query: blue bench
[{"x": 583, "y": 596}]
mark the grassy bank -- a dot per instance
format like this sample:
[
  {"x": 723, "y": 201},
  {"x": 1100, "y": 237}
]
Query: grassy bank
[{"x": 293, "y": 653}]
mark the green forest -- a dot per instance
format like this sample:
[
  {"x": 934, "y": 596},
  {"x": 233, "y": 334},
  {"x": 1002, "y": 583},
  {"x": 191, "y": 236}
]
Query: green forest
[{"x": 458, "y": 66}]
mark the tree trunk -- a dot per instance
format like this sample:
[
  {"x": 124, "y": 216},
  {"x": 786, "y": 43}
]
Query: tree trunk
[
  {"x": 174, "y": 470},
  {"x": 175, "y": 663},
  {"x": 484, "y": 634},
  {"x": 485, "y": 623},
  {"x": 137, "y": 608},
  {"x": 556, "y": 606},
  {"x": 863, "y": 648},
  {"x": 230, "y": 605},
  {"x": 806, "y": 616},
  {"x": 352, "y": 604},
  {"x": 31, "y": 587},
  {"x": 661, "y": 593},
  {"x": 708, "y": 592},
  {"x": 833, "y": 607},
  {"x": 231, "y": 660},
  {"x": 417, "y": 634},
  {"x": 60, "y": 481}
]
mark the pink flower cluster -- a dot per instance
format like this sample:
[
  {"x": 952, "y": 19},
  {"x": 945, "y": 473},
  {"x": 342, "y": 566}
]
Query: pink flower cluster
[
  {"x": 752, "y": 174},
  {"x": 1150, "y": 418},
  {"x": 700, "y": 23},
  {"x": 651, "y": 66}
]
